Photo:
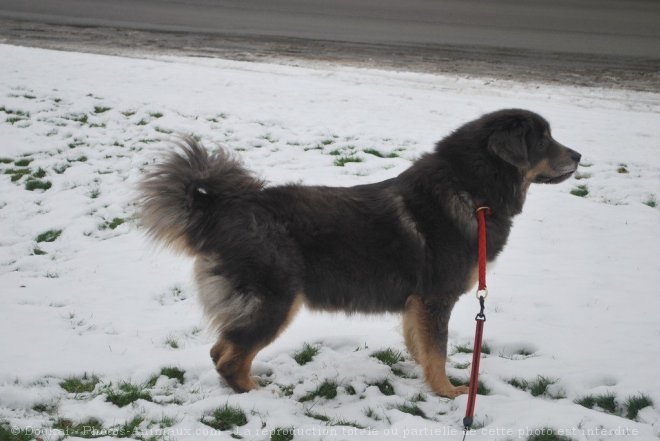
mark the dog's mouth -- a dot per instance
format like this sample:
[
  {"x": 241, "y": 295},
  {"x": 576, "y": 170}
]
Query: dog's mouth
[{"x": 543, "y": 179}]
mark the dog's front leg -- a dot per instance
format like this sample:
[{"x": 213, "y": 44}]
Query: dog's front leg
[{"x": 425, "y": 327}]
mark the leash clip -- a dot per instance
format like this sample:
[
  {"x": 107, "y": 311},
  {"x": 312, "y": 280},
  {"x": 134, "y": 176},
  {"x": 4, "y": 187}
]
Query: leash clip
[{"x": 481, "y": 316}]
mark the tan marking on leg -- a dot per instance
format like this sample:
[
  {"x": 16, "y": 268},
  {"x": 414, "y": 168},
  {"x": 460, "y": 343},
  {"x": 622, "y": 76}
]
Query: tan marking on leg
[
  {"x": 410, "y": 330},
  {"x": 234, "y": 366},
  {"x": 473, "y": 277},
  {"x": 234, "y": 363},
  {"x": 218, "y": 348},
  {"x": 420, "y": 343}
]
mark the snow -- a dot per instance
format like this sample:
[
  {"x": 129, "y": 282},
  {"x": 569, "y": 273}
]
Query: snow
[{"x": 575, "y": 289}]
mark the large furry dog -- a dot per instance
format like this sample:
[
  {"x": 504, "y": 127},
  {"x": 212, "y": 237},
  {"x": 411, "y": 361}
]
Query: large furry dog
[{"x": 407, "y": 244}]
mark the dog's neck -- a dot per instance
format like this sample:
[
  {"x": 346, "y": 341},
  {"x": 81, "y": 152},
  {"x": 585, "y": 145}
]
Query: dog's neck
[{"x": 488, "y": 180}]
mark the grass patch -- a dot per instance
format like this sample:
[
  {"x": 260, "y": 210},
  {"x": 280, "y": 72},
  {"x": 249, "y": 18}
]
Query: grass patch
[
  {"x": 169, "y": 372},
  {"x": 101, "y": 109},
  {"x": 636, "y": 403},
  {"x": 142, "y": 122},
  {"x": 370, "y": 413},
  {"x": 401, "y": 373},
  {"x": 462, "y": 349},
  {"x": 287, "y": 390},
  {"x": 580, "y": 190},
  {"x": 622, "y": 169},
  {"x": 606, "y": 402},
  {"x": 467, "y": 349},
  {"x": 332, "y": 421},
  {"x": 44, "y": 408},
  {"x": 174, "y": 373},
  {"x": 225, "y": 418},
  {"x": 49, "y": 236},
  {"x": 651, "y": 202},
  {"x": 384, "y": 386},
  {"x": 22, "y": 162},
  {"x": 343, "y": 160},
  {"x": 537, "y": 387},
  {"x": 282, "y": 434},
  {"x": 162, "y": 130},
  {"x": 82, "y": 118},
  {"x": 6, "y": 160},
  {"x": 17, "y": 173},
  {"x": 547, "y": 434},
  {"x": 15, "y": 112},
  {"x": 306, "y": 354},
  {"x": 38, "y": 251},
  {"x": 37, "y": 184},
  {"x": 374, "y": 152},
  {"x": 128, "y": 113},
  {"x": 418, "y": 397},
  {"x": 128, "y": 429},
  {"x": 155, "y": 115},
  {"x": 40, "y": 173},
  {"x": 166, "y": 422},
  {"x": 327, "y": 390},
  {"x": 482, "y": 389},
  {"x": 540, "y": 385},
  {"x": 350, "y": 390},
  {"x": 519, "y": 383},
  {"x": 7, "y": 434},
  {"x": 388, "y": 356},
  {"x": 172, "y": 343},
  {"x": 74, "y": 144},
  {"x": 14, "y": 119},
  {"x": 91, "y": 428},
  {"x": 412, "y": 409},
  {"x": 318, "y": 416},
  {"x": 126, "y": 394},
  {"x": 115, "y": 222},
  {"x": 61, "y": 169},
  {"x": 343, "y": 422},
  {"x": 77, "y": 385}
]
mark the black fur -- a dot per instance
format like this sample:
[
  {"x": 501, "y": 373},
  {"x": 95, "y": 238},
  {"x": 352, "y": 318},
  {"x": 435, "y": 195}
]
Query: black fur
[{"x": 365, "y": 248}]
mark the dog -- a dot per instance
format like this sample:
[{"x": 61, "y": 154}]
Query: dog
[{"x": 407, "y": 244}]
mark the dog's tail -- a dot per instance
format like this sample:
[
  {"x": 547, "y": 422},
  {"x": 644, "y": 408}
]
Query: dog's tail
[{"x": 178, "y": 195}]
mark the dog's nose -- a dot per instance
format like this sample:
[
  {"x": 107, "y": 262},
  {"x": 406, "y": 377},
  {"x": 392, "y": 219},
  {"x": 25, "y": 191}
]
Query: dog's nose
[{"x": 575, "y": 156}]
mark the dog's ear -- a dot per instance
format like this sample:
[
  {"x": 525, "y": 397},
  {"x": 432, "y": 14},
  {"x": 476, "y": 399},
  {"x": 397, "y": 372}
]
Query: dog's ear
[{"x": 510, "y": 145}]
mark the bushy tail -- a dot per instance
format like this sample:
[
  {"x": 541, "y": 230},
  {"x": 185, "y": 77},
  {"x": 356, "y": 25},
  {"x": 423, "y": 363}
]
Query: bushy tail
[{"x": 178, "y": 194}]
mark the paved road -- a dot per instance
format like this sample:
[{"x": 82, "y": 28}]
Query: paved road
[
  {"x": 602, "y": 27},
  {"x": 605, "y": 43}
]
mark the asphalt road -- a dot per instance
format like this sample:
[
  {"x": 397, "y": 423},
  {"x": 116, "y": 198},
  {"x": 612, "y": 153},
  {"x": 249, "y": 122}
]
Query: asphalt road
[
  {"x": 609, "y": 27},
  {"x": 574, "y": 35}
]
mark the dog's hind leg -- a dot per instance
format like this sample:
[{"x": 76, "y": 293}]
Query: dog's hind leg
[
  {"x": 425, "y": 328},
  {"x": 237, "y": 346}
]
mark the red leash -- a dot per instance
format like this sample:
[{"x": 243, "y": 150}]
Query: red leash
[{"x": 482, "y": 292}]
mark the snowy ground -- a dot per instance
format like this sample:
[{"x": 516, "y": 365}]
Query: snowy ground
[{"x": 574, "y": 296}]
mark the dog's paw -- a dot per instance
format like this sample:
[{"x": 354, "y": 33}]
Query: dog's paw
[{"x": 453, "y": 392}]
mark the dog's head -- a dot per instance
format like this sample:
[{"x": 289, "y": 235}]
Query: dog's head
[{"x": 523, "y": 139}]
